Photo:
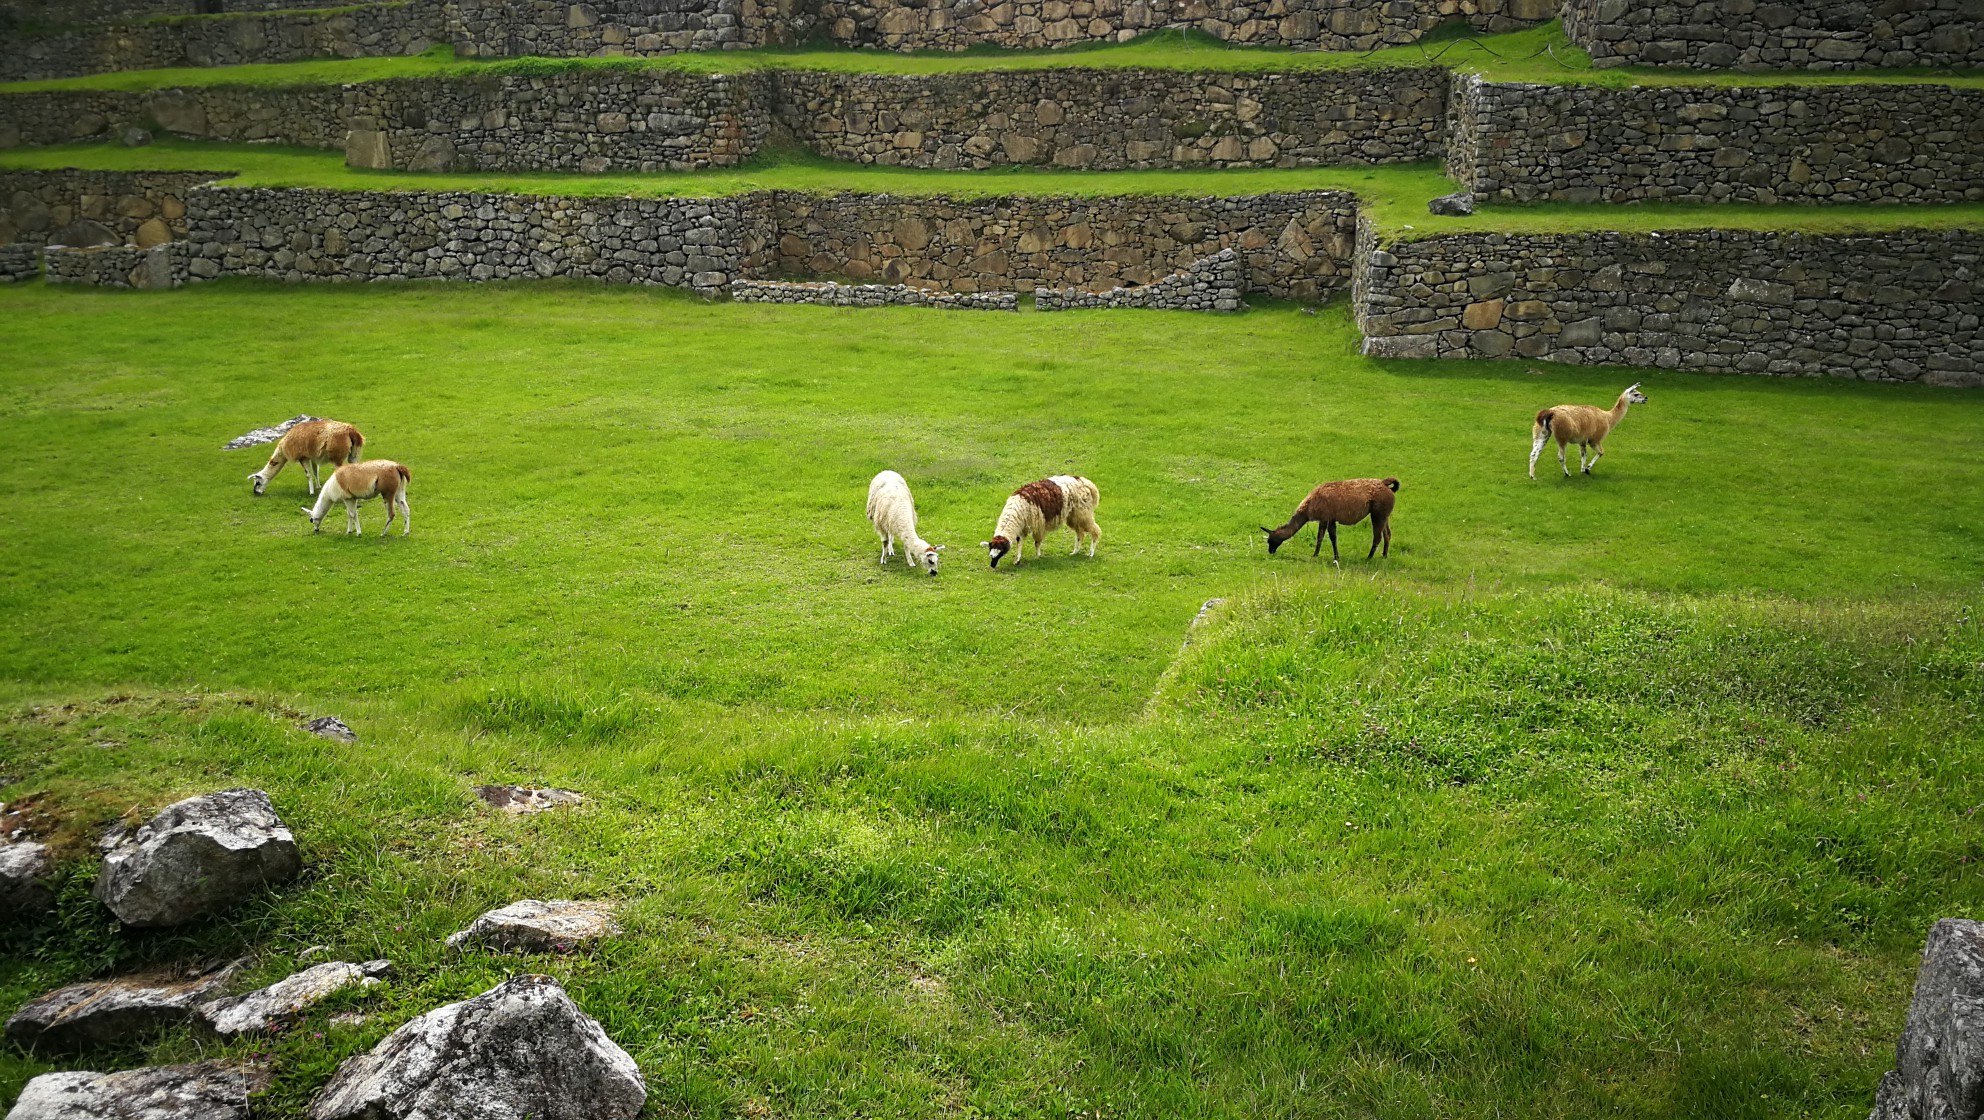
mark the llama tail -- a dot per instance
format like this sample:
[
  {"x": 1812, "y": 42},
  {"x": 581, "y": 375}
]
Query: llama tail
[
  {"x": 1393, "y": 483},
  {"x": 1543, "y": 421},
  {"x": 357, "y": 442},
  {"x": 405, "y": 475}
]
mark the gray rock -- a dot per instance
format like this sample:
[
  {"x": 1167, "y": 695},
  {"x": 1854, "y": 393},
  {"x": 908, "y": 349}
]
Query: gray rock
[
  {"x": 526, "y": 799},
  {"x": 25, "y": 868},
  {"x": 331, "y": 727},
  {"x": 532, "y": 926},
  {"x": 265, "y": 435},
  {"x": 265, "y": 1007},
  {"x": 83, "y": 234},
  {"x": 207, "y": 1091},
  {"x": 116, "y": 1010},
  {"x": 1457, "y": 205},
  {"x": 1938, "y": 1069},
  {"x": 196, "y": 856},
  {"x": 521, "y": 1049},
  {"x": 135, "y": 137}
]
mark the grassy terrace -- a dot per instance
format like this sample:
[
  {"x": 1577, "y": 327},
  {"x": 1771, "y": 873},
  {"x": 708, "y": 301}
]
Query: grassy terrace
[
  {"x": 1628, "y": 796},
  {"x": 1538, "y": 55},
  {"x": 1394, "y": 196}
]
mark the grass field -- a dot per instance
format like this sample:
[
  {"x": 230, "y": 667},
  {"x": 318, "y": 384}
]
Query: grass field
[
  {"x": 1631, "y": 795},
  {"x": 1542, "y": 54}
]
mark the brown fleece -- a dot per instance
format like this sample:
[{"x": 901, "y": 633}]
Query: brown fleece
[{"x": 1046, "y": 496}]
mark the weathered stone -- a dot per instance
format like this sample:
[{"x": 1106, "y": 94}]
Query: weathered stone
[
  {"x": 25, "y": 870},
  {"x": 533, "y": 926},
  {"x": 331, "y": 727},
  {"x": 523, "y": 1048},
  {"x": 196, "y": 856},
  {"x": 1457, "y": 205},
  {"x": 84, "y": 233},
  {"x": 1483, "y": 316},
  {"x": 1745, "y": 34},
  {"x": 528, "y": 799},
  {"x": 207, "y": 1091},
  {"x": 135, "y": 137},
  {"x": 1938, "y": 1070},
  {"x": 266, "y": 1007},
  {"x": 117, "y": 1010}
]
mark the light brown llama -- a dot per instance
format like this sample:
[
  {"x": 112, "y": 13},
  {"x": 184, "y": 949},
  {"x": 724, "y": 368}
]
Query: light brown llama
[
  {"x": 357, "y": 482},
  {"x": 1342, "y": 503},
  {"x": 311, "y": 443},
  {"x": 1580, "y": 424}
]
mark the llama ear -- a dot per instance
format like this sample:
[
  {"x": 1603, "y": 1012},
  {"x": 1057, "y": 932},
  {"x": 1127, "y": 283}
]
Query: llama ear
[
  {"x": 937, "y": 548},
  {"x": 985, "y": 544},
  {"x": 1268, "y": 531},
  {"x": 306, "y": 511}
]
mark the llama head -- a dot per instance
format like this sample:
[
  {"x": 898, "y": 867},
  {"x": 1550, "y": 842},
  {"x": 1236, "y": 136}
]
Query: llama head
[
  {"x": 930, "y": 558},
  {"x": 1275, "y": 538},
  {"x": 316, "y": 523},
  {"x": 1633, "y": 394},
  {"x": 258, "y": 482},
  {"x": 997, "y": 547}
]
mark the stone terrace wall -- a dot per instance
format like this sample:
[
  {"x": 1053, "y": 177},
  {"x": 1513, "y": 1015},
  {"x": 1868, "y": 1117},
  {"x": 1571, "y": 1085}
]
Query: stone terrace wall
[
  {"x": 1217, "y": 283},
  {"x": 381, "y": 29},
  {"x": 1900, "y": 306},
  {"x": 162, "y": 266},
  {"x": 1110, "y": 119},
  {"x": 311, "y": 117},
  {"x": 1296, "y": 245},
  {"x": 19, "y": 263},
  {"x": 302, "y": 235},
  {"x": 559, "y": 29},
  {"x": 94, "y": 11},
  {"x": 140, "y": 209},
  {"x": 1315, "y": 24},
  {"x": 869, "y": 295},
  {"x": 1788, "y": 35},
  {"x": 592, "y": 121},
  {"x": 1861, "y": 143}
]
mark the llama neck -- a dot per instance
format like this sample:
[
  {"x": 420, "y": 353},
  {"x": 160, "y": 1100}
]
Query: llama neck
[
  {"x": 1293, "y": 527},
  {"x": 1619, "y": 408}
]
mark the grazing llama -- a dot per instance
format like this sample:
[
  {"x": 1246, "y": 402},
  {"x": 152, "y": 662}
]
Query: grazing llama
[
  {"x": 311, "y": 443},
  {"x": 1039, "y": 508},
  {"x": 357, "y": 482},
  {"x": 1580, "y": 424},
  {"x": 1342, "y": 503},
  {"x": 892, "y": 511}
]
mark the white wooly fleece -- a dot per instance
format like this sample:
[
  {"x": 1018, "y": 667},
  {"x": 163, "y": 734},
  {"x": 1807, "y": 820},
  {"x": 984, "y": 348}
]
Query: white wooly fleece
[
  {"x": 1022, "y": 520},
  {"x": 1078, "y": 494},
  {"x": 892, "y": 511}
]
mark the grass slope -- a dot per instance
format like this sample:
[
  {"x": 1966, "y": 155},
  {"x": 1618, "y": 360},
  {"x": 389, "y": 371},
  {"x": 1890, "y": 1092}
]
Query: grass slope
[
  {"x": 1541, "y": 54},
  {"x": 1393, "y": 196},
  {"x": 1630, "y": 795}
]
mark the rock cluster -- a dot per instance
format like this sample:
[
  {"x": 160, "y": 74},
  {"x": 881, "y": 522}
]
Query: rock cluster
[
  {"x": 139, "y": 209},
  {"x": 196, "y": 856},
  {"x": 1107, "y": 119},
  {"x": 257, "y": 436},
  {"x": 207, "y": 1091},
  {"x": 25, "y": 869},
  {"x": 1216, "y": 283},
  {"x": 523, "y": 1048},
  {"x": 107, "y": 1011},
  {"x": 1913, "y": 143},
  {"x": 1777, "y": 34},
  {"x": 534, "y": 926},
  {"x": 1938, "y": 1069},
  {"x": 868, "y": 295},
  {"x": 286, "y": 998},
  {"x": 519, "y": 800},
  {"x": 1903, "y": 306}
]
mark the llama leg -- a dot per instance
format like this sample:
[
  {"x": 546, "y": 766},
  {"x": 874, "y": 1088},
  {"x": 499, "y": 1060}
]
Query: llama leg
[
  {"x": 1585, "y": 458},
  {"x": 310, "y": 476},
  {"x": 1322, "y": 529},
  {"x": 1094, "y": 536},
  {"x": 884, "y": 561},
  {"x": 1560, "y": 461},
  {"x": 1377, "y": 531},
  {"x": 1536, "y": 450},
  {"x": 1597, "y": 452},
  {"x": 392, "y": 511},
  {"x": 351, "y": 525},
  {"x": 406, "y": 515}
]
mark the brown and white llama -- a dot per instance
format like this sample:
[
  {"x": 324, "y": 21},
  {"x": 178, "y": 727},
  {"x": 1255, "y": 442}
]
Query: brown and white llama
[
  {"x": 1041, "y": 507},
  {"x": 1342, "y": 503},
  {"x": 1581, "y": 424},
  {"x": 311, "y": 443},
  {"x": 358, "y": 482}
]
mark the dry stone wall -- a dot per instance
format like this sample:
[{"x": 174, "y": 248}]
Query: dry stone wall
[
  {"x": 591, "y": 121},
  {"x": 1353, "y": 25},
  {"x": 1112, "y": 119},
  {"x": 1296, "y": 245},
  {"x": 605, "y": 28},
  {"x": 311, "y": 117},
  {"x": 380, "y": 29},
  {"x": 1217, "y": 283},
  {"x": 1786, "y": 35},
  {"x": 44, "y": 12},
  {"x": 115, "y": 266},
  {"x": 305, "y": 235},
  {"x": 138, "y": 209},
  {"x": 19, "y": 263},
  {"x": 831, "y": 294},
  {"x": 1837, "y": 144},
  {"x": 1901, "y": 306}
]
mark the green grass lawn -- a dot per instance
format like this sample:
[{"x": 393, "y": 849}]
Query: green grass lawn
[
  {"x": 1628, "y": 795},
  {"x": 1540, "y": 54}
]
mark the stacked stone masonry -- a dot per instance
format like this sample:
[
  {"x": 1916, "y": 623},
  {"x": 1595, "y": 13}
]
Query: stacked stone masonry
[
  {"x": 1901, "y": 306},
  {"x": 1915, "y": 143},
  {"x": 606, "y": 28},
  {"x": 1113, "y": 119},
  {"x": 1783, "y": 35},
  {"x": 139, "y": 209},
  {"x": 1217, "y": 283},
  {"x": 831, "y": 294},
  {"x": 310, "y": 117},
  {"x": 163, "y": 266},
  {"x": 407, "y": 27},
  {"x": 44, "y": 12},
  {"x": 19, "y": 263}
]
